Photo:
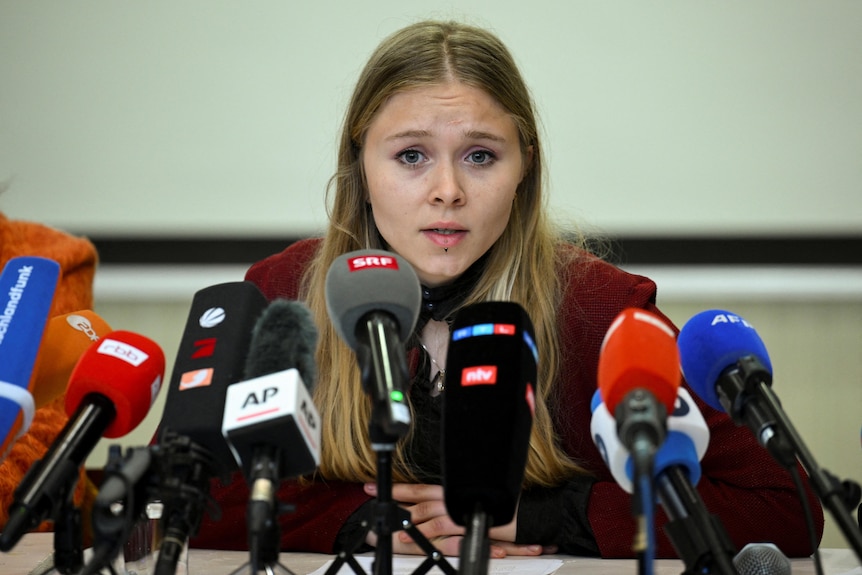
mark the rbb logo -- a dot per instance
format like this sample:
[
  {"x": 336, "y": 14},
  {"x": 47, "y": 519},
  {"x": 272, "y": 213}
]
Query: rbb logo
[
  {"x": 728, "y": 318},
  {"x": 253, "y": 399},
  {"x": 128, "y": 353},
  {"x": 365, "y": 262},
  {"x": 308, "y": 414},
  {"x": 479, "y": 375}
]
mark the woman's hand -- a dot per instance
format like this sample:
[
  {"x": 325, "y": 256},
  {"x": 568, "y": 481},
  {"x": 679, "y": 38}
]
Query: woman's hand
[{"x": 428, "y": 514}]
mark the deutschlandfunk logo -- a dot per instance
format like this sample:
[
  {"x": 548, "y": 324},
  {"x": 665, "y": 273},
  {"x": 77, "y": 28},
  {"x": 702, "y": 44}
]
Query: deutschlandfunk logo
[{"x": 15, "y": 294}]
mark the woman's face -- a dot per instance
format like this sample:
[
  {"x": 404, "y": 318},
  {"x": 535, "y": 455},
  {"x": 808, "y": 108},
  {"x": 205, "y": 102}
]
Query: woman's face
[{"x": 442, "y": 164}]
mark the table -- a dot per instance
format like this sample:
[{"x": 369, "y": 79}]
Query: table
[{"x": 27, "y": 555}]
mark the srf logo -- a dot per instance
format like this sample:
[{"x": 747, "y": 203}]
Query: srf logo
[
  {"x": 479, "y": 375},
  {"x": 365, "y": 262}
]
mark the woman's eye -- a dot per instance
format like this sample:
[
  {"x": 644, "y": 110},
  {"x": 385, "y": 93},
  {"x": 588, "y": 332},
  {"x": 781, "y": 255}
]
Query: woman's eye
[
  {"x": 480, "y": 157},
  {"x": 410, "y": 156}
]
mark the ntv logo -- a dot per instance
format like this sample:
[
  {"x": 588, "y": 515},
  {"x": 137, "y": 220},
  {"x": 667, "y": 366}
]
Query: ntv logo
[{"x": 479, "y": 375}]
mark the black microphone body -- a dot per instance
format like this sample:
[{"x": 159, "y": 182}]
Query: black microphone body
[
  {"x": 384, "y": 371},
  {"x": 211, "y": 356},
  {"x": 488, "y": 404}
]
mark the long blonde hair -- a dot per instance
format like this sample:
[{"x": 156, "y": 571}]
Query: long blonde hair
[{"x": 522, "y": 265}]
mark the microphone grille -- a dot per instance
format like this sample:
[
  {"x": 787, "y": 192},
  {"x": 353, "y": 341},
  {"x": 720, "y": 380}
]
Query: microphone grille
[{"x": 761, "y": 559}]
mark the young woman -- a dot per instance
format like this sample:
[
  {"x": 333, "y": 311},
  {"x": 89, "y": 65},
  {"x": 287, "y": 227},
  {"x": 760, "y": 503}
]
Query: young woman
[{"x": 440, "y": 161}]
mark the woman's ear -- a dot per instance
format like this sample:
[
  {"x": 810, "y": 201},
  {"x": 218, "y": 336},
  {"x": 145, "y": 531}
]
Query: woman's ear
[{"x": 528, "y": 161}]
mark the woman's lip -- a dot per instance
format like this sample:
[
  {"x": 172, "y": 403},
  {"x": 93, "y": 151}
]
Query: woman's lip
[{"x": 445, "y": 237}]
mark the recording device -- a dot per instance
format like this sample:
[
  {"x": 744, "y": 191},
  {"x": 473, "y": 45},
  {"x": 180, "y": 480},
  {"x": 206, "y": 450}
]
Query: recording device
[
  {"x": 373, "y": 299},
  {"x": 488, "y": 408},
  {"x": 211, "y": 356},
  {"x": 66, "y": 339},
  {"x": 638, "y": 378},
  {"x": 726, "y": 364},
  {"x": 270, "y": 421},
  {"x": 110, "y": 392},
  {"x": 686, "y": 443},
  {"x": 27, "y": 286},
  {"x": 725, "y": 361},
  {"x": 698, "y": 537},
  {"x": 761, "y": 559}
]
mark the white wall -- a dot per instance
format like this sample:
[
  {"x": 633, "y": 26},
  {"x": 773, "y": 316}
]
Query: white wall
[{"x": 203, "y": 117}]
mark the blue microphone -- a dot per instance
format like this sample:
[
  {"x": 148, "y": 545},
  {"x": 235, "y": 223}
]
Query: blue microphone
[
  {"x": 726, "y": 363},
  {"x": 27, "y": 286}
]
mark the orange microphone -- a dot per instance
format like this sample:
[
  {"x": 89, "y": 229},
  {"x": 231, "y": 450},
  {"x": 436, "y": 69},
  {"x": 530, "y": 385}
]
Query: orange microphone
[{"x": 66, "y": 338}]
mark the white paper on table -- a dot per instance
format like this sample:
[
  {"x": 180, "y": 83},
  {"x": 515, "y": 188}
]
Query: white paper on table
[{"x": 408, "y": 565}]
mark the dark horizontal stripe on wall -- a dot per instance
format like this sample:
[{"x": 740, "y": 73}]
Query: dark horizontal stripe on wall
[{"x": 844, "y": 250}]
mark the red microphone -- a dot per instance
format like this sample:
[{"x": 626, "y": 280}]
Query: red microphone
[
  {"x": 110, "y": 391},
  {"x": 639, "y": 351},
  {"x": 638, "y": 377}
]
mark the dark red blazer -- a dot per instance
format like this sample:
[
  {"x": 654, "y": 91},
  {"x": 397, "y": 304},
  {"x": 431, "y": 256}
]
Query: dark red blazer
[{"x": 753, "y": 497}]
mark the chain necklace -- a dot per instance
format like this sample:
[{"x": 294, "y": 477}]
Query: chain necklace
[{"x": 438, "y": 383}]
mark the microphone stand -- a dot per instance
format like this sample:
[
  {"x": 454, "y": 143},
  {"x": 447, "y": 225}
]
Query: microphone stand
[
  {"x": 698, "y": 537},
  {"x": 476, "y": 546},
  {"x": 388, "y": 518},
  {"x": 68, "y": 539},
  {"x": 826, "y": 486}
]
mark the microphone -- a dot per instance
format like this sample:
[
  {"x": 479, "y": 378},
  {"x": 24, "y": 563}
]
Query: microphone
[
  {"x": 211, "y": 356},
  {"x": 488, "y": 409},
  {"x": 373, "y": 299},
  {"x": 726, "y": 364},
  {"x": 193, "y": 450},
  {"x": 725, "y": 361},
  {"x": 270, "y": 421},
  {"x": 761, "y": 559},
  {"x": 698, "y": 537},
  {"x": 65, "y": 339},
  {"x": 685, "y": 445},
  {"x": 27, "y": 286},
  {"x": 638, "y": 378},
  {"x": 110, "y": 392}
]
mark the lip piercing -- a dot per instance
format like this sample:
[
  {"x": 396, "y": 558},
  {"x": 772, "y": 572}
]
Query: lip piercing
[{"x": 446, "y": 250}]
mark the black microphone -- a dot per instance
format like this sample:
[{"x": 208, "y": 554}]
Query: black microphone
[
  {"x": 373, "y": 299},
  {"x": 488, "y": 407},
  {"x": 270, "y": 421},
  {"x": 211, "y": 356},
  {"x": 110, "y": 392}
]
